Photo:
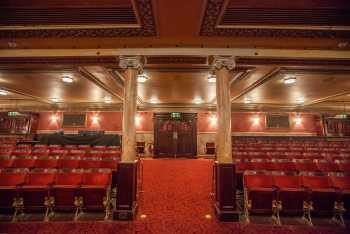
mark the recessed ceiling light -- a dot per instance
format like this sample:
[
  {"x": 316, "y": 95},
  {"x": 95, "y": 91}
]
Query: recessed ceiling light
[
  {"x": 300, "y": 100},
  {"x": 211, "y": 78},
  {"x": 247, "y": 100},
  {"x": 142, "y": 78},
  {"x": 153, "y": 101},
  {"x": 289, "y": 80},
  {"x": 3, "y": 92},
  {"x": 67, "y": 79},
  {"x": 54, "y": 99},
  {"x": 108, "y": 99}
]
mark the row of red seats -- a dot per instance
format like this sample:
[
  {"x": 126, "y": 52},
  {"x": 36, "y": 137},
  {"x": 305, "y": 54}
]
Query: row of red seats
[
  {"x": 294, "y": 166},
  {"x": 42, "y": 146},
  {"x": 282, "y": 143},
  {"x": 30, "y": 163},
  {"x": 54, "y": 192},
  {"x": 297, "y": 194},
  {"x": 40, "y": 153}
]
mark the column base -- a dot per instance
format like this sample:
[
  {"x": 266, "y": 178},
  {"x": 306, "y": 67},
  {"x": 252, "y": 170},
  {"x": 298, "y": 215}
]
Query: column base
[
  {"x": 225, "y": 192},
  {"x": 126, "y": 201},
  {"x": 125, "y": 215}
]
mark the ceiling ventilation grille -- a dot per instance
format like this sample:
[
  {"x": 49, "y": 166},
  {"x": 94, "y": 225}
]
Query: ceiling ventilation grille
[
  {"x": 71, "y": 16},
  {"x": 322, "y": 17}
]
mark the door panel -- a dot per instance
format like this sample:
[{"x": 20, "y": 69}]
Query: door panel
[{"x": 175, "y": 137}]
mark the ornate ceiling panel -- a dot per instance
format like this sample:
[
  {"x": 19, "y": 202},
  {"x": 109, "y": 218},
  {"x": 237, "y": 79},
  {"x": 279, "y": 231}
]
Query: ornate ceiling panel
[
  {"x": 301, "y": 18},
  {"x": 107, "y": 18}
]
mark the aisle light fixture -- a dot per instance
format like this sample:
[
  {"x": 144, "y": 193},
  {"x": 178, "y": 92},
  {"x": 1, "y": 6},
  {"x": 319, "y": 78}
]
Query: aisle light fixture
[
  {"x": 289, "y": 80},
  {"x": 67, "y": 79}
]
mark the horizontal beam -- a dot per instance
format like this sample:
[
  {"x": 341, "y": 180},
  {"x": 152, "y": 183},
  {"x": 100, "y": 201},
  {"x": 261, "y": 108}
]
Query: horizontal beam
[{"x": 185, "y": 51}]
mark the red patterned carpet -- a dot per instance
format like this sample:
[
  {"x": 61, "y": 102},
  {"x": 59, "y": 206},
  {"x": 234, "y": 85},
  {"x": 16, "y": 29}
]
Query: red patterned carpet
[{"x": 175, "y": 200}]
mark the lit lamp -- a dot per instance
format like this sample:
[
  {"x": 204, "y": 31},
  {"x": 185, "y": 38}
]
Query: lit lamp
[
  {"x": 54, "y": 118},
  {"x": 95, "y": 119},
  {"x": 298, "y": 120},
  {"x": 213, "y": 120},
  {"x": 138, "y": 120},
  {"x": 256, "y": 120}
]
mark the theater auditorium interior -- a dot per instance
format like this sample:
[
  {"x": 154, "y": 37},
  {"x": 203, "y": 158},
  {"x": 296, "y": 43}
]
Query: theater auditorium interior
[{"x": 164, "y": 116}]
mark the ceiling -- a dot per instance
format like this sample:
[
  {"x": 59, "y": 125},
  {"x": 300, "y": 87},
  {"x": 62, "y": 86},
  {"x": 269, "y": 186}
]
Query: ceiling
[{"x": 51, "y": 31}]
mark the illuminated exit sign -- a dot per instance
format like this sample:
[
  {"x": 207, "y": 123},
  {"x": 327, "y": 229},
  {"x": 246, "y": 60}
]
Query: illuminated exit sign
[
  {"x": 175, "y": 115},
  {"x": 12, "y": 113}
]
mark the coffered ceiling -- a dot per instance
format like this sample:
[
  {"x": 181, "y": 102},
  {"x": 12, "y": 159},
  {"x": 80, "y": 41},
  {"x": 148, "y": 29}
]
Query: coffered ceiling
[{"x": 42, "y": 41}]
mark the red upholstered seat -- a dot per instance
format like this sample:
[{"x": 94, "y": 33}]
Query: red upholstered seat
[
  {"x": 94, "y": 154},
  {"x": 35, "y": 189},
  {"x": 94, "y": 189},
  {"x": 89, "y": 164},
  {"x": 8, "y": 188},
  {"x": 260, "y": 192},
  {"x": 285, "y": 166},
  {"x": 70, "y": 147},
  {"x": 54, "y": 147},
  {"x": 290, "y": 193},
  {"x": 66, "y": 189},
  {"x": 23, "y": 163},
  {"x": 39, "y": 146},
  {"x": 264, "y": 166},
  {"x": 110, "y": 164},
  {"x": 111, "y": 154},
  {"x": 5, "y": 163},
  {"x": 68, "y": 163},
  {"x": 21, "y": 152},
  {"x": 321, "y": 193},
  {"x": 99, "y": 147},
  {"x": 45, "y": 163},
  {"x": 306, "y": 166},
  {"x": 40, "y": 152},
  {"x": 327, "y": 167},
  {"x": 58, "y": 152},
  {"x": 344, "y": 167}
]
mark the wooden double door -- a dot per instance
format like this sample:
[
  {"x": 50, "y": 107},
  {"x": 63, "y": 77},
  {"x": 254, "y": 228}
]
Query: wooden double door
[{"x": 175, "y": 137}]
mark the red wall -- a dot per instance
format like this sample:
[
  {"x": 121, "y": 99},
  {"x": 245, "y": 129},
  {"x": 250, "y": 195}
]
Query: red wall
[
  {"x": 107, "y": 121},
  {"x": 245, "y": 123},
  {"x": 241, "y": 123}
]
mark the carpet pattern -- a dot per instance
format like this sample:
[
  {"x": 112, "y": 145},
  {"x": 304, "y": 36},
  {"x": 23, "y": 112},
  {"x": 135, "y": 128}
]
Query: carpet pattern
[{"x": 175, "y": 199}]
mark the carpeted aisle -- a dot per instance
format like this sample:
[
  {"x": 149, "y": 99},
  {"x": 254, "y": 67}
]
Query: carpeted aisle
[{"x": 175, "y": 200}]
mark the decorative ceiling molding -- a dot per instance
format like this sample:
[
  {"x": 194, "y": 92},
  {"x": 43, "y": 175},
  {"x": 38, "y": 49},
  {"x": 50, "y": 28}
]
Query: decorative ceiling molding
[
  {"x": 178, "y": 60},
  {"x": 144, "y": 13},
  {"x": 88, "y": 75},
  {"x": 72, "y": 60},
  {"x": 292, "y": 61},
  {"x": 257, "y": 83},
  {"x": 215, "y": 10}
]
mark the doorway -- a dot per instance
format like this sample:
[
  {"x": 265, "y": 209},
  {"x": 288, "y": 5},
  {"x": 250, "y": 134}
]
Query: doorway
[{"x": 175, "y": 135}]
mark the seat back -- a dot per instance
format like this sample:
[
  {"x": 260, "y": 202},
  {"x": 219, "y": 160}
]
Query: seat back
[
  {"x": 6, "y": 162},
  {"x": 12, "y": 178},
  {"x": 45, "y": 163},
  {"x": 316, "y": 182},
  {"x": 23, "y": 163},
  {"x": 286, "y": 181},
  {"x": 68, "y": 178},
  {"x": 109, "y": 164},
  {"x": 96, "y": 178},
  {"x": 68, "y": 163},
  {"x": 341, "y": 182},
  {"x": 89, "y": 164},
  {"x": 258, "y": 181},
  {"x": 40, "y": 178}
]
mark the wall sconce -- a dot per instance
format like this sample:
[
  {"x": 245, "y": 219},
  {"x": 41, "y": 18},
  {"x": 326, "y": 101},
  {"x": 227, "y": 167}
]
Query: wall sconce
[
  {"x": 256, "y": 120},
  {"x": 95, "y": 119},
  {"x": 138, "y": 120},
  {"x": 54, "y": 118},
  {"x": 298, "y": 120},
  {"x": 213, "y": 120}
]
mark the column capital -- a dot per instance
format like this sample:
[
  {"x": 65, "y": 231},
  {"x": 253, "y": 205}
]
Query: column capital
[
  {"x": 227, "y": 62},
  {"x": 134, "y": 62}
]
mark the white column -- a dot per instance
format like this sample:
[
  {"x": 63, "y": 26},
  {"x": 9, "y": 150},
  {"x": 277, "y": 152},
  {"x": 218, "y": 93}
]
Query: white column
[
  {"x": 222, "y": 66},
  {"x": 131, "y": 64}
]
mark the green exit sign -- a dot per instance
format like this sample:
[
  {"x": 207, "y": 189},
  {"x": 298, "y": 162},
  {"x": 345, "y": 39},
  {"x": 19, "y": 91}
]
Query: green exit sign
[
  {"x": 12, "y": 113},
  {"x": 175, "y": 115}
]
